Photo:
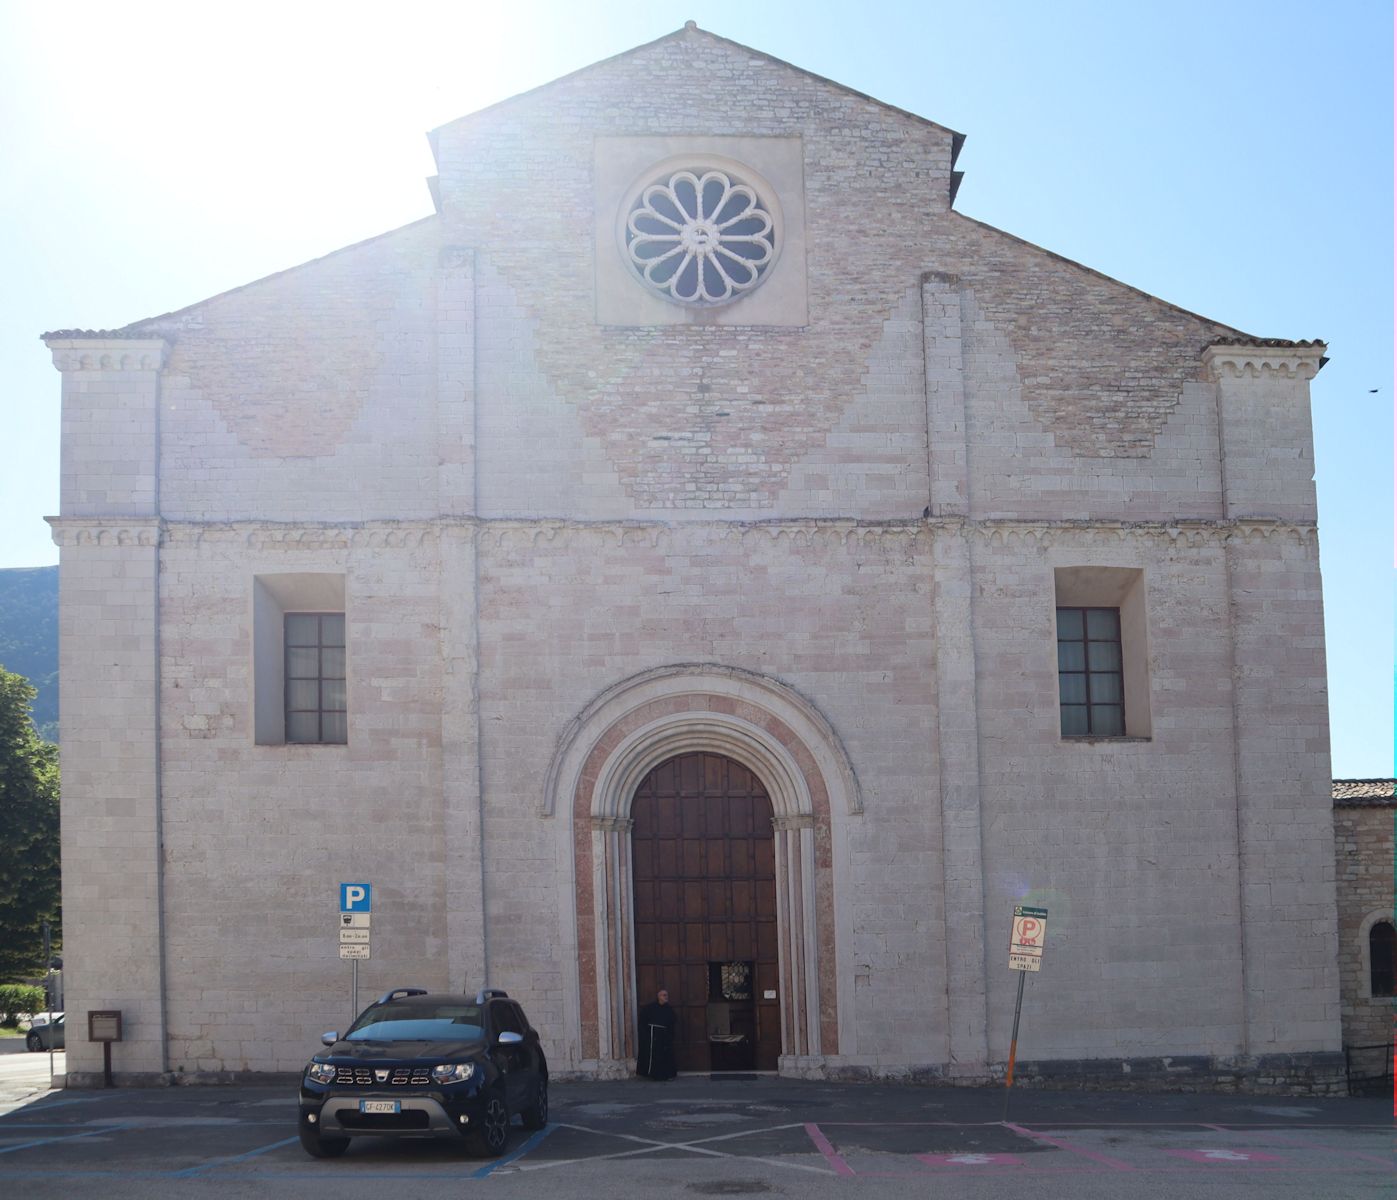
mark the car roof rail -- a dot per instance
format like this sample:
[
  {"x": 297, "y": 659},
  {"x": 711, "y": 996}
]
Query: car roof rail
[
  {"x": 399, "y": 993},
  {"x": 490, "y": 993}
]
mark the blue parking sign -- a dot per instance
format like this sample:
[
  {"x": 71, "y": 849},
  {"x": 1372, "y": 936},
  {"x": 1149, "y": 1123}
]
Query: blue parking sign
[{"x": 356, "y": 898}]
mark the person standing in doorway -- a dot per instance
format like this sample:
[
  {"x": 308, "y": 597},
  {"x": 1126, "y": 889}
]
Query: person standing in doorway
[{"x": 657, "y": 1025}]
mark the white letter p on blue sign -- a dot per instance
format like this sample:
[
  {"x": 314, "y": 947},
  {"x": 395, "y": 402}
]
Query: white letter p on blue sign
[{"x": 356, "y": 897}]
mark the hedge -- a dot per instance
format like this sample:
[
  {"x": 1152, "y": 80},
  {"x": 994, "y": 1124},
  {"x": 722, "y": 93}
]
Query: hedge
[{"x": 16, "y": 998}]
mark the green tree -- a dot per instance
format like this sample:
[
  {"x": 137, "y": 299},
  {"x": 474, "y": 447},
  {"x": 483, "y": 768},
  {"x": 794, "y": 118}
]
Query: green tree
[{"x": 29, "y": 892}]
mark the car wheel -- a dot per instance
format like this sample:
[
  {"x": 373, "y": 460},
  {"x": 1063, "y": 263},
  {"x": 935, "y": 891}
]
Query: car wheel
[
  {"x": 487, "y": 1140},
  {"x": 322, "y": 1147},
  {"x": 535, "y": 1116},
  {"x": 33, "y": 1043}
]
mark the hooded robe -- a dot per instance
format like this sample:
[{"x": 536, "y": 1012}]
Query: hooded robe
[{"x": 656, "y": 1057}]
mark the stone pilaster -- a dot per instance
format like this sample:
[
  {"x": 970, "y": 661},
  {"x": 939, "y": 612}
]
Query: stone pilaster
[
  {"x": 455, "y": 319},
  {"x": 1281, "y": 771},
  {"x": 947, "y": 450},
  {"x": 109, "y": 652},
  {"x": 1267, "y": 448},
  {"x": 462, "y": 816},
  {"x": 958, "y": 759},
  {"x": 111, "y": 443},
  {"x": 957, "y": 733},
  {"x": 108, "y": 656}
]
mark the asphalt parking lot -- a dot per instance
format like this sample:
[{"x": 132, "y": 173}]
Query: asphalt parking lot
[{"x": 696, "y": 1136}]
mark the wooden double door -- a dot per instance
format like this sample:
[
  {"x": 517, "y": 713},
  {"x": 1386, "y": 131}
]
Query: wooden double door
[{"x": 704, "y": 875}]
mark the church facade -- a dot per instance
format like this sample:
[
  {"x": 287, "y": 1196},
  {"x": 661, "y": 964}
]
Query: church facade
[{"x": 699, "y": 557}]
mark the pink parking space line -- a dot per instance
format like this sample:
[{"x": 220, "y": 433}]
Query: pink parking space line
[
  {"x": 970, "y": 1158},
  {"x": 1225, "y": 1156},
  {"x": 1290, "y": 1141},
  {"x": 832, "y": 1156},
  {"x": 1104, "y": 1160}
]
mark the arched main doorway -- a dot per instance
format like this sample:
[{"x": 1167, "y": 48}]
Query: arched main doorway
[
  {"x": 704, "y": 888},
  {"x": 611, "y": 746}
]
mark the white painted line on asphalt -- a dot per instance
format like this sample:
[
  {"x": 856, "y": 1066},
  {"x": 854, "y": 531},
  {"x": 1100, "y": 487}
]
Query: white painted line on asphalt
[
  {"x": 232, "y": 1158},
  {"x": 696, "y": 1146}
]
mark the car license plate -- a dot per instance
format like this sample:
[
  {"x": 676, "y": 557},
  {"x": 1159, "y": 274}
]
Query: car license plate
[{"x": 378, "y": 1106}]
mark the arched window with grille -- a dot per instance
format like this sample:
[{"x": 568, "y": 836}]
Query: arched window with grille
[{"x": 1382, "y": 958}]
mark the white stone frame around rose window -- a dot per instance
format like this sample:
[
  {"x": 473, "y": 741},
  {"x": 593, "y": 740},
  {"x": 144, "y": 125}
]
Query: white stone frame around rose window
[{"x": 773, "y": 167}]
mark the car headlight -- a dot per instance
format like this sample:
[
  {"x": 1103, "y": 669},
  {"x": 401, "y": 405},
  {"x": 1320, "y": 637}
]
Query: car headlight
[
  {"x": 321, "y": 1072},
  {"x": 453, "y": 1072}
]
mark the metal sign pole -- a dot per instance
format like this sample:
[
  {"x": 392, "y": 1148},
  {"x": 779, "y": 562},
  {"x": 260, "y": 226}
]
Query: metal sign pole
[
  {"x": 1013, "y": 1045},
  {"x": 354, "y": 990}
]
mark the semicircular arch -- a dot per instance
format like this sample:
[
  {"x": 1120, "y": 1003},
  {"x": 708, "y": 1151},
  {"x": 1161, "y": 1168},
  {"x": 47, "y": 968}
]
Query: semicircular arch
[{"x": 783, "y": 739}]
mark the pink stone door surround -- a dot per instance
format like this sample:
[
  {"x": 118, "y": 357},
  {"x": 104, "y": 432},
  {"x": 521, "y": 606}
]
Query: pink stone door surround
[{"x": 779, "y": 736}]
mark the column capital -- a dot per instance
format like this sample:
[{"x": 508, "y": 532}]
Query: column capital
[
  {"x": 611, "y": 824},
  {"x": 784, "y": 821}
]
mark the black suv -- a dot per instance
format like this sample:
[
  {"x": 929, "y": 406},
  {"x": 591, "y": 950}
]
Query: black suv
[{"x": 421, "y": 1065}]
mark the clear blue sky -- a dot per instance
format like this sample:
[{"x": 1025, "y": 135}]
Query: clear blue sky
[{"x": 1234, "y": 158}]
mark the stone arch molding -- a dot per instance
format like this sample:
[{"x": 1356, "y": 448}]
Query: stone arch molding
[
  {"x": 701, "y": 684},
  {"x": 601, "y": 759}
]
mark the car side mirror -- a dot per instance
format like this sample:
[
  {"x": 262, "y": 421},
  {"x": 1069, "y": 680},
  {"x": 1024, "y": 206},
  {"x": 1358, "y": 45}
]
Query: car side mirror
[
  {"x": 509, "y": 1038},
  {"x": 329, "y": 1039}
]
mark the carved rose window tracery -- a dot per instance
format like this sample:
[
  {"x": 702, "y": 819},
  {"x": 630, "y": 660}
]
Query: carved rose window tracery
[{"x": 700, "y": 237}]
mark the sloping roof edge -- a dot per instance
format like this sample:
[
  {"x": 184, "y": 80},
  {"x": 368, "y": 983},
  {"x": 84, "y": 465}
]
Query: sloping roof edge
[
  {"x": 138, "y": 328},
  {"x": 957, "y": 139},
  {"x": 1238, "y": 337}
]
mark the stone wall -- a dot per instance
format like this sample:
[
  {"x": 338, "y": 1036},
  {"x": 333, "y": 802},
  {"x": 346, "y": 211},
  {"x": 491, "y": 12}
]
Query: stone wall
[
  {"x": 1364, "y": 813},
  {"x": 868, "y": 508}
]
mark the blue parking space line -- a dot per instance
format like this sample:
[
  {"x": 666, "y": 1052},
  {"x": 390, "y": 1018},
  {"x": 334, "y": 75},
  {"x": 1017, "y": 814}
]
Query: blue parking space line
[
  {"x": 72, "y": 1137},
  {"x": 518, "y": 1154},
  {"x": 235, "y": 1158},
  {"x": 45, "y": 1105},
  {"x": 18, "y": 1173}
]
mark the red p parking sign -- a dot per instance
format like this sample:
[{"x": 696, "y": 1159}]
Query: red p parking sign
[{"x": 1026, "y": 941}]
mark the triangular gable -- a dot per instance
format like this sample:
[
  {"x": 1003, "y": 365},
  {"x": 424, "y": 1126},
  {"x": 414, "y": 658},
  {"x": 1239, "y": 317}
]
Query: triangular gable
[{"x": 689, "y": 30}]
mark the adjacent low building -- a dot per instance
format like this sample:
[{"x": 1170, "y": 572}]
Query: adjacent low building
[
  {"x": 699, "y": 556},
  {"x": 1365, "y": 813}
]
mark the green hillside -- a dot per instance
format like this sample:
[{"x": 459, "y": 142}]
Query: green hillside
[{"x": 29, "y": 637}]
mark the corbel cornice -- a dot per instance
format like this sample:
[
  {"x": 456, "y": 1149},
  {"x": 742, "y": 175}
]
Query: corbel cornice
[
  {"x": 1235, "y": 359},
  {"x": 86, "y": 531},
  {"x": 513, "y": 534},
  {"x": 107, "y": 353},
  {"x": 1119, "y": 533},
  {"x": 311, "y": 536}
]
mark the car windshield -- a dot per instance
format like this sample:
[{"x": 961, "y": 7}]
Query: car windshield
[{"x": 417, "y": 1023}]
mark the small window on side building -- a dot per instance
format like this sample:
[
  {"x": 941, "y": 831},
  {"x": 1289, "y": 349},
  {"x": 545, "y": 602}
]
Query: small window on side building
[
  {"x": 1089, "y": 671},
  {"x": 1382, "y": 959},
  {"x": 315, "y": 679},
  {"x": 1102, "y": 652}
]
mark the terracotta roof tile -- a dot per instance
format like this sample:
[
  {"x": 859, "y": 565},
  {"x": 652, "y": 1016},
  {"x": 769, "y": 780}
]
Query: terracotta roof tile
[
  {"x": 1314, "y": 343},
  {"x": 85, "y": 333},
  {"x": 1369, "y": 793}
]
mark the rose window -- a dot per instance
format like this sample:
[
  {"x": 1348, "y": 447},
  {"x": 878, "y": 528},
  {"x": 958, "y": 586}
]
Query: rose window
[{"x": 700, "y": 238}]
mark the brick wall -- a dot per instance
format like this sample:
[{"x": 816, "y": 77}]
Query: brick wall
[{"x": 528, "y": 507}]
